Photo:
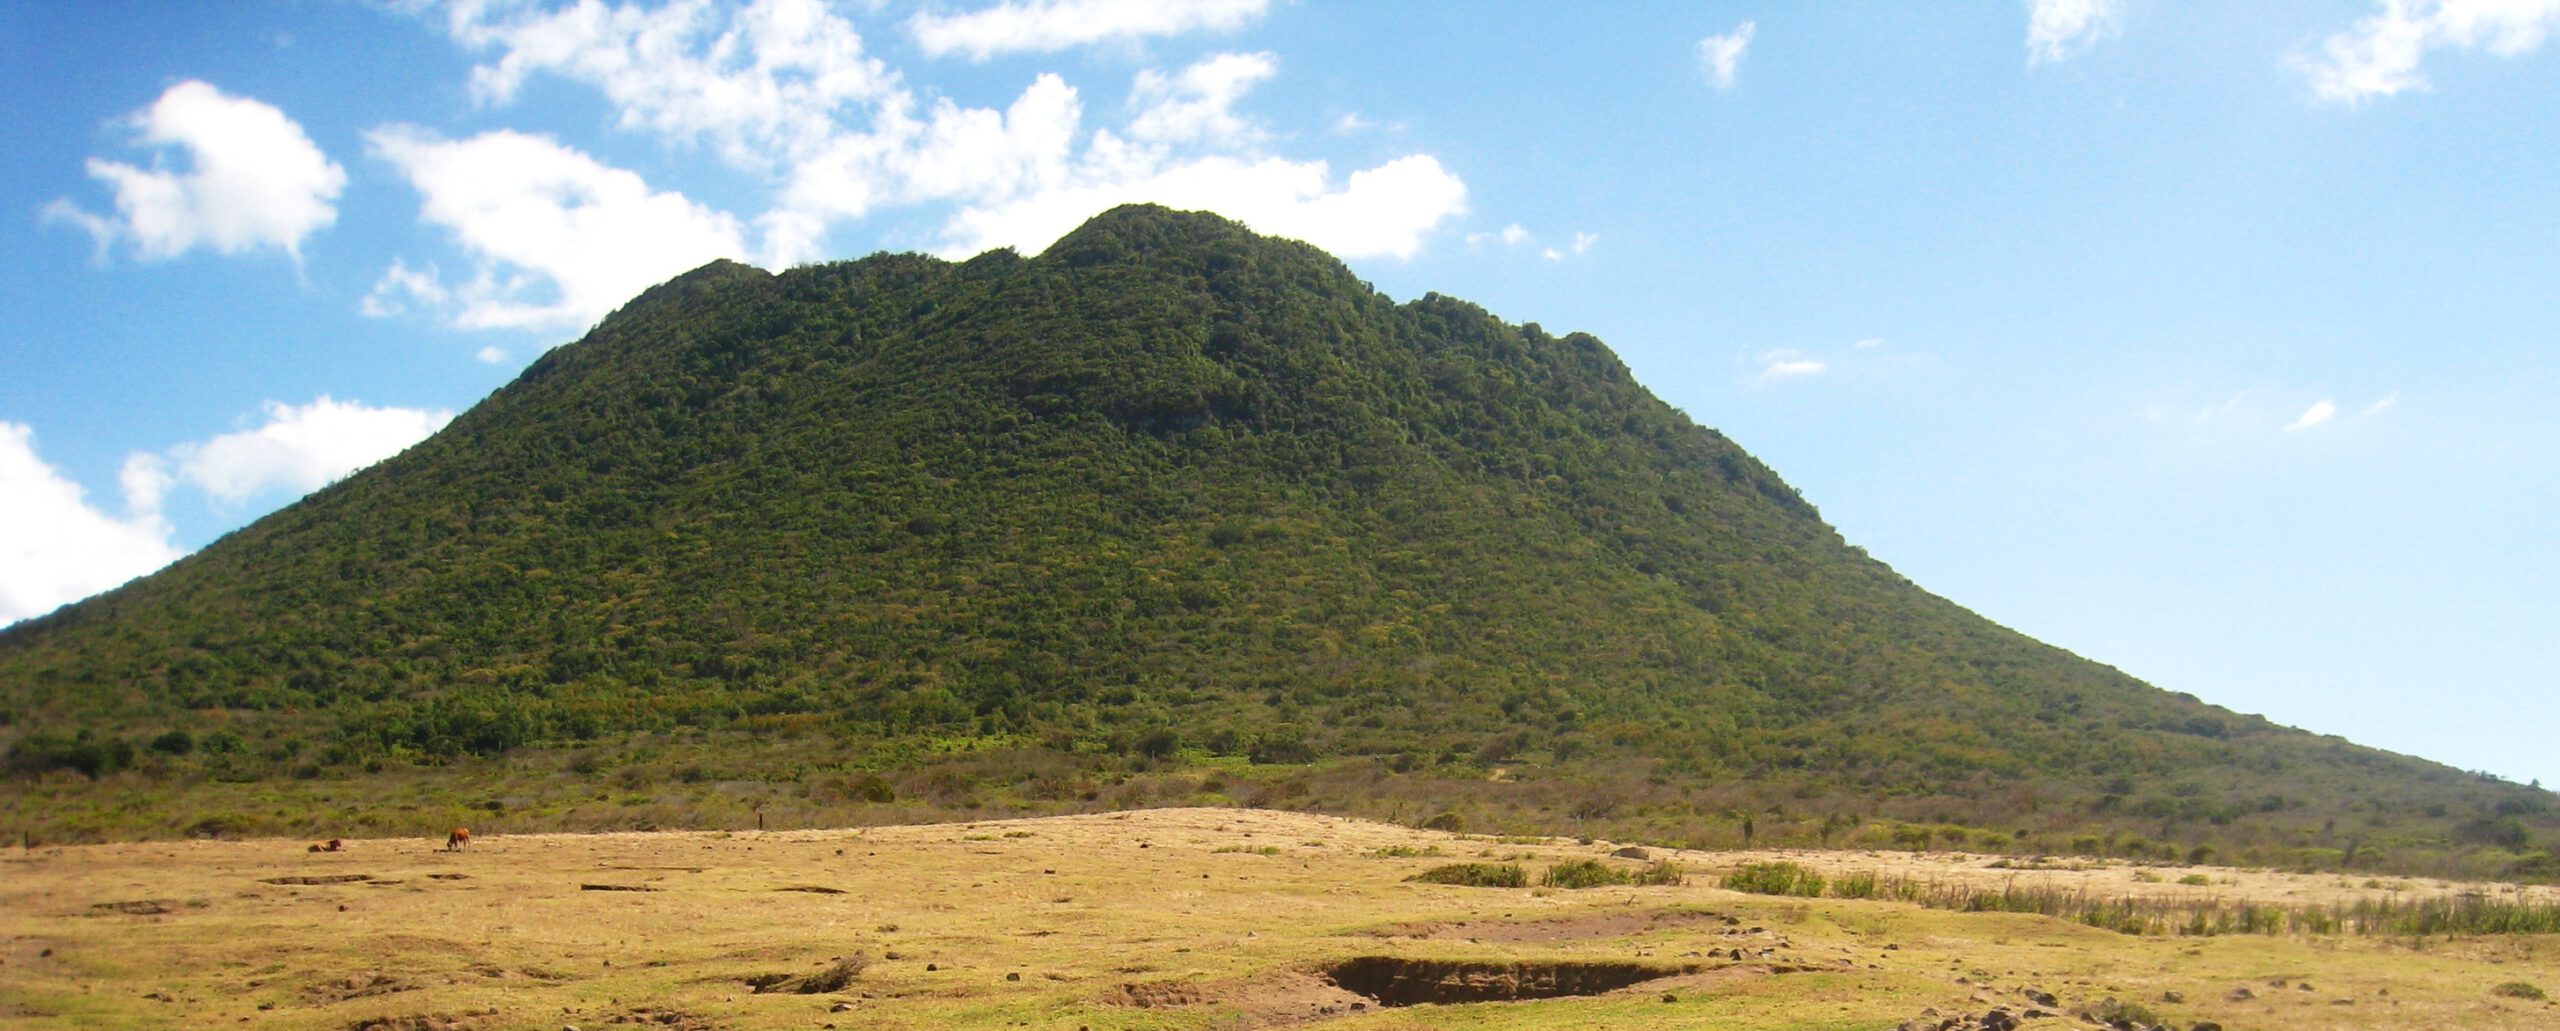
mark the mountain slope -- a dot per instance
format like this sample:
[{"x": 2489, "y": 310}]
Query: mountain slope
[{"x": 1169, "y": 489}]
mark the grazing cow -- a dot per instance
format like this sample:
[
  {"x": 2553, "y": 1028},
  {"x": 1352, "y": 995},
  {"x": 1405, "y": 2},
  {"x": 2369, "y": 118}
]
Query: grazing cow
[{"x": 461, "y": 836}]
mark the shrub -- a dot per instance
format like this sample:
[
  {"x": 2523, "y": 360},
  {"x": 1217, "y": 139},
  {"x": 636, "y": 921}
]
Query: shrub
[
  {"x": 1666, "y": 874},
  {"x": 1583, "y": 873},
  {"x": 2195, "y": 878},
  {"x": 1862, "y": 885},
  {"x": 1779, "y": 878},
  {"x": 2518, "y": 990},
  {"x": 1476, "y": 875},
  {"x": 2113, "y": 1011}
]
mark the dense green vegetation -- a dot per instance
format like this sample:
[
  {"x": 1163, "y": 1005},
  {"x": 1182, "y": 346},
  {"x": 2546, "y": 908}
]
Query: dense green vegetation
[{"x": 1169, "y": 497}]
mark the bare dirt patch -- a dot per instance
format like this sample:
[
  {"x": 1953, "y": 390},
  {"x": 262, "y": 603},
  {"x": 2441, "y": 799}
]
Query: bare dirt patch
[
  {"x": 835, "y": 975},
  {"x": 137, "y": 907},
  {"x": 1393, "y": 981},
  {"x": 334, "y": 878},
  {"x": 363, "y": 985}
]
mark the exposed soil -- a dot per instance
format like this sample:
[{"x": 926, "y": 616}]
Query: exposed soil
[
  {"x": 356, "y": 986},
  {"x": 138, "y": 907},
  {"x": 1392, "y": 981},
  {"x": 334, "y": 878}
]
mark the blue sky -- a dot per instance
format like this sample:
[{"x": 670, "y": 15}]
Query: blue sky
[{"x": 2216, "y": 342}]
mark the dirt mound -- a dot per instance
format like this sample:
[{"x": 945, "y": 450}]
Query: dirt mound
[
  {"x": 834, "y": 976},
  {"x": 1410, "y": 982},
  {"x": 362, "y": 985}
]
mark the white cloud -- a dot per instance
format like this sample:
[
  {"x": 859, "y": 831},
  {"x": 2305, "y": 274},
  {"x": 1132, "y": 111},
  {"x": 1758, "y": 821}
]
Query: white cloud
[
  {"x": 561, "y": 238},
  {"x": 785, "y": 90},
  {"x": 766, "y": 83},
  {"x": 2381, "y": 55},
  {"x": 492, "y": 355},
  {"x": 1720, "y": 57},
  {"x": 1047, "y": 26},
  {"x": 2319, "y": 412},
  {"x": 1379, "y": 212},
  {"x": 1583, "y": 242},
  {"x": 54, "y": 547},
  {"x": 298, "y": 449},
  {"x": 1788, "y": 364},
  {"x": 2388, "y": 402},
  {"x": 2058, "y": 30},
  {"x": 1195, "y": 105},
  {"x": 402, "y": 285},
  {"x": 1869, "y": 343},
  {"x": 253, "y": 180}
]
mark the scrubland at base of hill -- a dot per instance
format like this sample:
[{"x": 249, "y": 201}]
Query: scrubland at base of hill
[{"x": 1196, "y": 918}]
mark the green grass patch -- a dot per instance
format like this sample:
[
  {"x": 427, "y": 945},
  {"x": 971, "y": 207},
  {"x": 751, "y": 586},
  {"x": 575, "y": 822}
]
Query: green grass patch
[
  {"x": 1778, "y": 878},
  {"x": 1476, "y": 875}
]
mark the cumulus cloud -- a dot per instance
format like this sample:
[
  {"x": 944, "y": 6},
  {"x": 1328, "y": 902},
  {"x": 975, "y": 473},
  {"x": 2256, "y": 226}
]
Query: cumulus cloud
[
  {"x": 2388, "y": 402},
  {"x": 1047, "y": 26},
  {"x": 766, "y": 83},
  {"x": 1197, "y": 104},
  {"x": 785, "y": 90},
  {"x": 2059, "y": 30},
  {"x": 55, "y": 547},
  {"x": 2320, "y": 412},
  {"x": 1720, "y": 57},
  {"x": 1377, "y": 212},
  {"x": 297, "y": 449},
  {"x": 560, "y": 237},
  {"x": 2380, "y": 56},
  {"x": 250, "y": 179}
]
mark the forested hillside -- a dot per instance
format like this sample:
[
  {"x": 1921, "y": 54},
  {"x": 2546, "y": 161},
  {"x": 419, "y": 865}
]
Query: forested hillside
[{"x": 1169, "y": 497}]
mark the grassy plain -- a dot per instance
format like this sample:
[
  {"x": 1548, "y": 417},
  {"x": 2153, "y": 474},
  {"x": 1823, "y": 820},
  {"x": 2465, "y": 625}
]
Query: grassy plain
[{"x": 1156, "y": 919}]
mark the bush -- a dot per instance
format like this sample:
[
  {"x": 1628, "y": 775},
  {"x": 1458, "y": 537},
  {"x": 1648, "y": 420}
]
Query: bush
[
  {"x": 1862, "y": 885},
  {"x": 1476, "y": 875},
  {"x": 1780, "y": 878},
  {"x": 40, "y": 753},
  {"x": 2518, "y": 990},
  {"x": 1583, "y": 873},
  {"x": 1665, "y": 874}
]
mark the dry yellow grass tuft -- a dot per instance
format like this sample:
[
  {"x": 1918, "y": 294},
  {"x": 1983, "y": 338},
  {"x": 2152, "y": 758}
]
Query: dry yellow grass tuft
[{"x": 1175, "y": 918}]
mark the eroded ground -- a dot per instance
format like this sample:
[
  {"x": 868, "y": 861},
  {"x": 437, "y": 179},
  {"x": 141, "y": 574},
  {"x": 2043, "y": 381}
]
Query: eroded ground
[{"x": 1186, "y": 918}]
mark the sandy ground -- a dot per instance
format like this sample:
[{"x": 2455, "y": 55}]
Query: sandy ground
[{"x": 1176, "y": 918}]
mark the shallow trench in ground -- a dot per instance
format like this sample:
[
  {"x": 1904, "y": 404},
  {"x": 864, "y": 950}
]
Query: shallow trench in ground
[{"x": 1393, "y": 981}]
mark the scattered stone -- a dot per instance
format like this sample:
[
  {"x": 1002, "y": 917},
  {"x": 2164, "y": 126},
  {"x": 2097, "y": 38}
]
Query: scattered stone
[
  {"x": 1632, "y": 852},
  {"x": 2241, "y": 995},
  {"x": 2037, "y": 996},
  {"x": 2173, "y": 996}
]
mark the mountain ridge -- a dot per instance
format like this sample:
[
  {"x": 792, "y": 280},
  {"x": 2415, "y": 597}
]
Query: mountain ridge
[{"x": 1168, "y": 489}]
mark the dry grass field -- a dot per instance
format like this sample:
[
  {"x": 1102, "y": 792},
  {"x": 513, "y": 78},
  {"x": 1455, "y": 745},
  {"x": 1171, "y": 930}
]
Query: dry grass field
[{"x": 1177, "y": 918}]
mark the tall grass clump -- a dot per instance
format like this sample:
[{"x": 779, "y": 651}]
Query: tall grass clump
[
  {"x": 1778, "y": 878},
  {"x": 1476, "y": 875},
  {"x": 1583, "y": 873},
  {"x": 1665, "y": 874}
]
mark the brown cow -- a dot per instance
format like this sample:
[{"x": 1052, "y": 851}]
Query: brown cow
[
  {"x": 331, "y": 845},
  {"x": 461, "y": 836}
]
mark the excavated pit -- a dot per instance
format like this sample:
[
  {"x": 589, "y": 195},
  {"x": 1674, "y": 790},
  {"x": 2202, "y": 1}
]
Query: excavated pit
[{"x": 1413, "y": 982}]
